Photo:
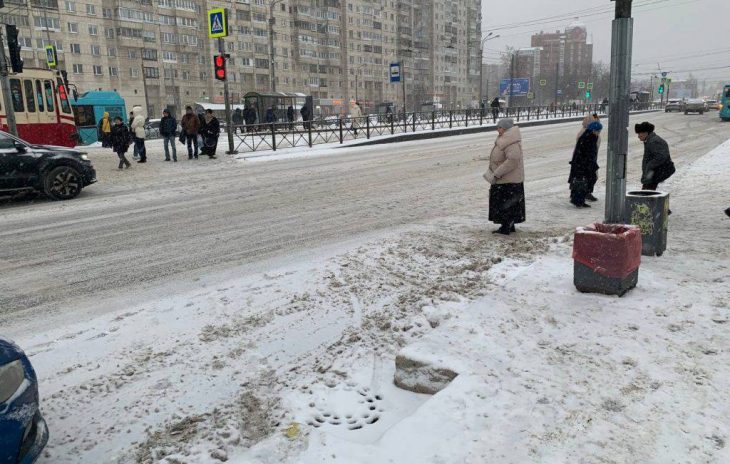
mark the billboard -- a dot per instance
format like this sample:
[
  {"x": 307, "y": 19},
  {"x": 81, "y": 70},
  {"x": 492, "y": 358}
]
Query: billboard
[{"x": 520, "y": 87}]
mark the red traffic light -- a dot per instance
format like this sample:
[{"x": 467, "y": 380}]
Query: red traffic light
[
  {"x": 219, "y": 63},
  {"x": 62, "y": 92}
]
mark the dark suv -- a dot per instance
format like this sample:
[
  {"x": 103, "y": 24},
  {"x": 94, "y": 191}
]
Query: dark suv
[{"x": 59, "y": 172}]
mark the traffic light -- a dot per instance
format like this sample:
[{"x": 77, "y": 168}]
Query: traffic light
[
  {"x": 219, "y": 62},
  {"x": 588, "y": 94},
  {"x": 16, "y": 62},
  {"x": 661, "y": 89}
]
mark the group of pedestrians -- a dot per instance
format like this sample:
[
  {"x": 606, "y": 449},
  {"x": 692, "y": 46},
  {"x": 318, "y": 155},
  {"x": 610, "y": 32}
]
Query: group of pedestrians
[
  {"x": 506, "y": 172},
  {"x": 198, "y": 132}
]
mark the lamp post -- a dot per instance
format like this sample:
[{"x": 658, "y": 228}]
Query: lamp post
[
  {"x": 486, "y": 38},
  {"x": 272, "y": 71},
  {"x": 357, "y": 71}
]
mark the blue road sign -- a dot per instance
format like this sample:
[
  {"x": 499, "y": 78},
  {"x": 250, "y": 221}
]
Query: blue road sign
[
  {"x": 217, "y": 23},
  {"x": 394, "y": 72},
  {"x": 520, "y": 87}
]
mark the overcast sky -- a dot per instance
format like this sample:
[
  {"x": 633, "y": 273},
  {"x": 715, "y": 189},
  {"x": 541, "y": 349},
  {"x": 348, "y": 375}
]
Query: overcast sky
[{"x": 680, "y": 34}]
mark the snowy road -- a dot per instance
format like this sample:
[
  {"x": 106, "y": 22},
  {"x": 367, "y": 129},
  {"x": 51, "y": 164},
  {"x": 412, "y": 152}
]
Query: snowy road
[{"x": 165, "y": 223}]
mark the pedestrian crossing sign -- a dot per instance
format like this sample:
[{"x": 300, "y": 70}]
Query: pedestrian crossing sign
[
  {"x": 217, "y": 23},
  {"x": 543, "y": 82},
  {"x": 51, "y": 57},
  {"x": 581, "y": 85}
]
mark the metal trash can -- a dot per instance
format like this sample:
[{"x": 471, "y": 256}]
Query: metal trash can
[{"x": 649, "y": 210}]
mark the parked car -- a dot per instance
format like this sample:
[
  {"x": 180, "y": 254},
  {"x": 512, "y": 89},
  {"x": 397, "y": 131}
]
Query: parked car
[
  {"x": 23, "y": 431},
  {"x": 673, "y": 105},
  {"x": 693, "y": 105},
  {"x": 152, "y": 128},
  {"x": 712, "y": 105},
  {"x": 59, "y": 172}
]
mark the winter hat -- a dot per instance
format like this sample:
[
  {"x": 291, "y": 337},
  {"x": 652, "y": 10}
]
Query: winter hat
[
  {"x": 595, "y": 126},
  {"x": 506, "y": 123},
  {"x": 644, "y": 127}
]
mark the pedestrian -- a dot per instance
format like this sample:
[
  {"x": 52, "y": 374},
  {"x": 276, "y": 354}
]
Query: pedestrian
[
  {"x": 586, "y": 121},
  {"x": 389, "y": 114},
  {"x": 249, "y": 115},
  {"x": 584, "y": 165},
  {"x": 138, "y": 133},
  {"x": 168, "y": 127},
  {"x": 210, "y": 131},
  {"x": 495, "y": 109},
  {"x": 130, "y": 120},
  {"x": 355, "y": 117},
  {"x": 271, "y": 115},
  {"x": 191, "y": 127},
  {"x": 306, "y": 112},
  {"x": 105, "y": 130},
  {"x": 237, "y": 120},
  {"x": 506, "y": 175},
  {"x": 482, "y": 107},
  {"x": 657, "y": 165},
  {"x": 290, "y": 117},
  {"x": 119, "y": 141}
]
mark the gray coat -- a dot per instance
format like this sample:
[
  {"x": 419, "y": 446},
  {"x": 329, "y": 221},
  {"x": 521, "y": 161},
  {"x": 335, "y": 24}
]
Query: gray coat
[{"x": 656, "y": 158}]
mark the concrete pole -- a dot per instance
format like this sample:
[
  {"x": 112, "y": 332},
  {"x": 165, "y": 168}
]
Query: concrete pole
[
  {"x": 272, "y": 72},
  {"x": 5, "y": 83},
  {"x": 618, "y": 120},
  {"x": 227, "y": 100},
  {"x": 557, "y": 77},
  {"x": 481, "y": 76},
  {"x": 511, "y": 79}
]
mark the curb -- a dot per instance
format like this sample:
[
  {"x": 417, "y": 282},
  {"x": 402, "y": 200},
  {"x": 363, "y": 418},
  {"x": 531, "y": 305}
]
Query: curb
[{"x": 468, "y": 130}]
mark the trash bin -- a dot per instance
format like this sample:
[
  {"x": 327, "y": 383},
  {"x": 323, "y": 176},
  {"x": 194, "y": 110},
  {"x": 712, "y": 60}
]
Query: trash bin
[
  {"x": 606, "y": 258},
  {"x": 648, "y": 209}
]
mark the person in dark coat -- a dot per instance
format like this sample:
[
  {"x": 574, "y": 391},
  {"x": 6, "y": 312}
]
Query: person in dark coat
[
  {"x": 105, "y": 130},
  {"x": 584, "y": 165},
  {"x": 657, "y": 165},
  {"x": 130, "y": 120},
  {"x": 271, "y": 115},
  {"x": 237, "y": 120},
  {"x": 120, "y": 141},
  {"x": 290, "y": 117},
  {"x": 306, "y": 113},
  {"x": 210, "y": 131},
  {"x": 495, "y": 108},
  {"x": 191, "y": 127},
  {"x": 249, "y": 115},
  {"x": 168, "y": 127}
]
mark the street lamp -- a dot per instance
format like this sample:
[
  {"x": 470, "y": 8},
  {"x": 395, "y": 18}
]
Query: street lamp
[
  {"x": 272, "y": 72},
  {"x": 357, "y": 71},
  {"x": 486, "y": 38}
]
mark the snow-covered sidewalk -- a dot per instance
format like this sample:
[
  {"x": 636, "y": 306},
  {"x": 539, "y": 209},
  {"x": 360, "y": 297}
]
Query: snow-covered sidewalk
[{"x": 292, "y": 361}]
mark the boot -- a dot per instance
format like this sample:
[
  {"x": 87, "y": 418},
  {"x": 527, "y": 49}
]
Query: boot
[{"x": 590, "y": 197}]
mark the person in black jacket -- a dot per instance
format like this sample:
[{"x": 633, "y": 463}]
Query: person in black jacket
[
  {"x": 237, "y": 120},
  {"x": 119, "y": 140},
  {"x": 584, "y": 165},
  {"x": 290, "y": 117},
  {"x": 209, "y": 131},
  {"x": 657, "y": 165},
  {"x": 306, "y": 113},
  {"x": 168, "y": 127}
]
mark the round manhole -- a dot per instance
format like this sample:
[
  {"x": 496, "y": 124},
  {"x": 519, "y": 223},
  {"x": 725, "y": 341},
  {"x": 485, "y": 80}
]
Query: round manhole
[{"x": 345, "y": 405}]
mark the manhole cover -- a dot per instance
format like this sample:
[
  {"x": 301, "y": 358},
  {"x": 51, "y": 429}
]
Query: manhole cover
[{"x": 345, "y": 405}]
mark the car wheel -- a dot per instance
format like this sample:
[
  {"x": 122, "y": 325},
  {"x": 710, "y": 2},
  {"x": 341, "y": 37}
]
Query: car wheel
[{"x": 62, "y": 183}]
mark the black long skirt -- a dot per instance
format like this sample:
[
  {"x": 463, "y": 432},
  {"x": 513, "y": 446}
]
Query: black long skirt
[{"x": 507, "y": 203}]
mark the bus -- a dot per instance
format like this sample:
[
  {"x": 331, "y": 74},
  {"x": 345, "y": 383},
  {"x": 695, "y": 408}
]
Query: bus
[
  {"x": 725, "y": 101},
  {"x": 42, "y": 109}
]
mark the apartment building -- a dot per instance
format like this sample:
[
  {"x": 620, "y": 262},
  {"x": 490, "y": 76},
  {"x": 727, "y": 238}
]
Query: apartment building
[{"x": 156, "y": 53}]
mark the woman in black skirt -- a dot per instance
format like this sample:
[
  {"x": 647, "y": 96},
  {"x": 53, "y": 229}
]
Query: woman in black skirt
[{"x": 506, "y": 175}]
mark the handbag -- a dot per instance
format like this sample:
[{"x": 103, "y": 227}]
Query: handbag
[{"x": 182, "y": 137}]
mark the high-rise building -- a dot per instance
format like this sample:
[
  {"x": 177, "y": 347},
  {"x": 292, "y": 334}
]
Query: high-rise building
[
  {"x": 567, "y": 55},
  {"x": 157, "y": 52}
]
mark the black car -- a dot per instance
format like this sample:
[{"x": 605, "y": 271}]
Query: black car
[{"x": 59, "y": 172}]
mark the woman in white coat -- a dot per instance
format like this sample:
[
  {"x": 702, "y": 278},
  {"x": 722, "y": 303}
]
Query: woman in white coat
[{"x": 137, "y": 129}]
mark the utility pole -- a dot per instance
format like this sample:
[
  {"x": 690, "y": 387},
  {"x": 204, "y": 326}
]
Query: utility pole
[
  {"x": 403, "y": 82},
  {"x": 618, "y": 120},
  {"x": 557, "y": 77},
  {"x": 272, "y": 55},
  {"x": 144, "y": 84},
  {"x": 229, "y": 125},
  {"x": 5, "y": 83},
  {"x": 511, "y": 78}
]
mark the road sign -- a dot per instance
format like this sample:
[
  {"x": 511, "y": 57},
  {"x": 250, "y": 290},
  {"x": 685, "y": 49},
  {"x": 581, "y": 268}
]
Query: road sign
[
  {"x": 520, "y": 87},
  {"x": 664, "y": 74},
  {"x": 394, "y": 72},
  {"x": 581, "y": 85},
  {"x": 589, "y": 86},
  {"x": 543, "y": 82},
  {"x": 51, "y": 57},
  {"x": 560, "y": 92},
  {"x": 530, "y": 95},
  {"x": 217, "y": 23}
]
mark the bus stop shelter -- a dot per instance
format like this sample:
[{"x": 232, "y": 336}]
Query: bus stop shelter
[{"x": 262, "y": 101}]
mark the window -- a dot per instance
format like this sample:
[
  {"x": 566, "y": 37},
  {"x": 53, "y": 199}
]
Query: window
[
  {"x": 71, "y": 7},
  {"x": 114, "y": 72},
  {"x": 93, "y": 29},
  {"x": 184, "y": 58},
  {"x": 132, "y": 54},
  {"x": 107, "y": 13},
  {"x": 170, "y": 73},
  {"x": 260, "y": 17},
  {"x": 128, "y": 32},
  {"x": 169, "y": 57},
  {"x": 151, "y": 73},
  {"x": 29, "y": 95},
  {"x": 73, "y": 27},
  {"x": 17, "y": 93},
  {"x": 18, "y": 20},
  {"x": 25, "y": 42},
  {"x": 111, "y": 51},
  {"x": 49, "y": 96},
  {"x": 46, "y": 23},
  {"x": 168, "y": 37},
  {"x": 90, "y": 10},
  {"x": 149, "y": 54},
  {"x": 149, "y": 36},
  {"x": 109, "y": 32},
  {"x": 259, "y": 32},
  {"x": 39, "y": 94},
  {"x": 262, "y": 63},
  {"x": 97, "y": 70},
  {"x": 243, "y": 15},
  {"x": 95, "y": 50},
  {"x": 186, "y": 75},
  {"x": 78, "y": 69},
  {"x": 134, "y": 72},
  {"x": 76, "y": 49}
]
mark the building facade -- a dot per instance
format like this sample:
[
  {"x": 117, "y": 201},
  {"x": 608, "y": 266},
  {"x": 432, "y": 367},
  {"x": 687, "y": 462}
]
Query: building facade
[{"x": 156, "y": 53}]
